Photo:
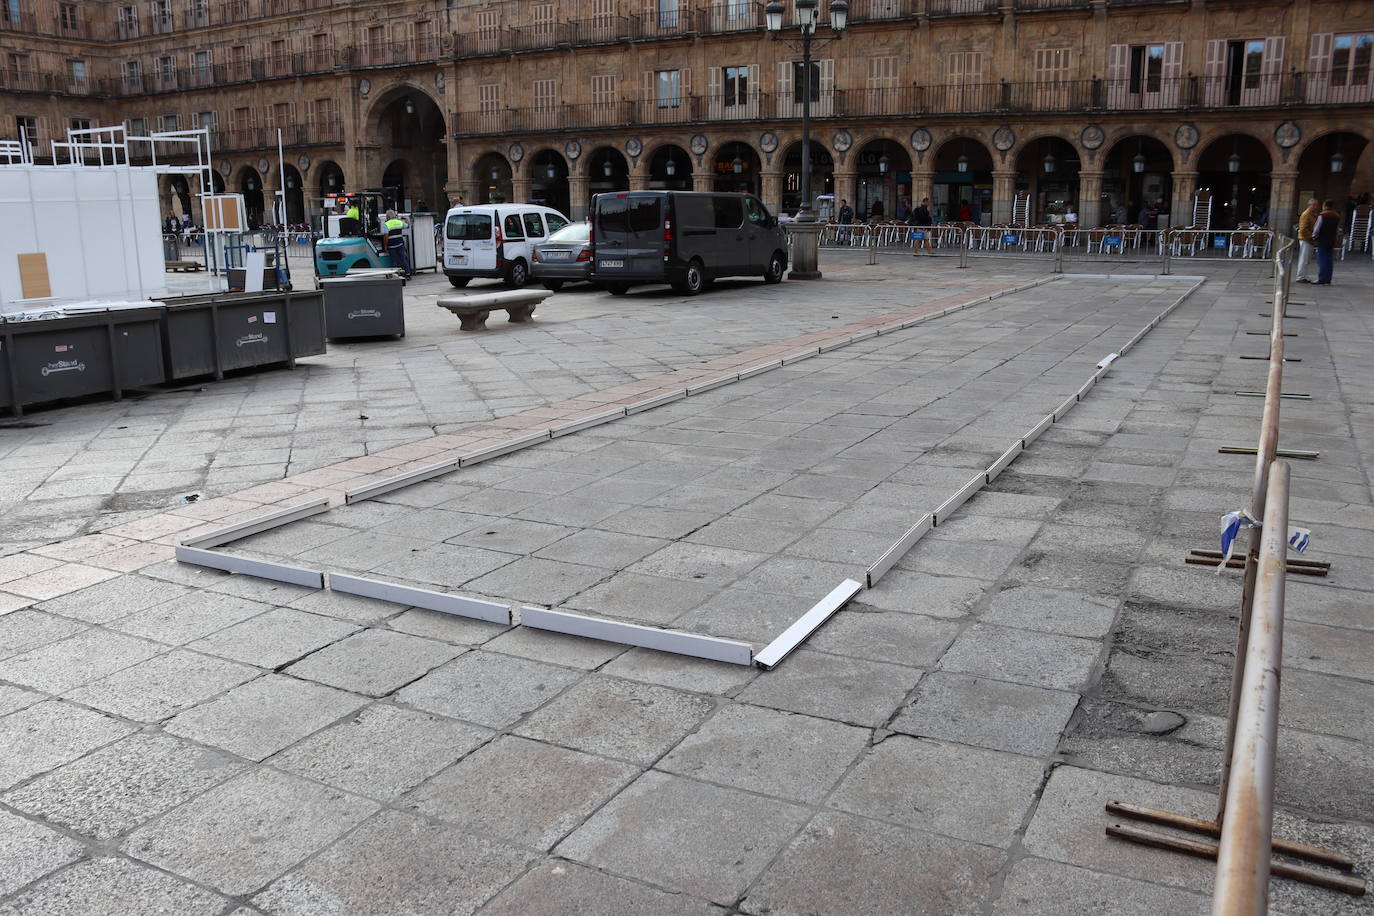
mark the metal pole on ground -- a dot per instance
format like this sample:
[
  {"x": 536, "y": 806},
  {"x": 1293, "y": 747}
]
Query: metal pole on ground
[{"x": 1242, "y": 884}]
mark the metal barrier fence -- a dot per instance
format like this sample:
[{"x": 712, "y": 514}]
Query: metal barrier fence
[{"x": 1245, "y": 803}]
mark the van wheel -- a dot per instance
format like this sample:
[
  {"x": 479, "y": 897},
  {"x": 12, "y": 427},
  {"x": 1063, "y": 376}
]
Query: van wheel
[
  {"x": 693, "y": 280},
  {"x": 776, "y": 266},
  {"x": 518, "y": 274},
  {"x": 617, "y": 289},
  {"x": 553, "y": 286},
  {"x": 459, "y": 282}
]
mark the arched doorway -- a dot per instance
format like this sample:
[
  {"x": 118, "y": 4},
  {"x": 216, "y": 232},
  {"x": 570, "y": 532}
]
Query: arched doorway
[
  {"x": 736, "y": 168},
  {"x": 549, "y": 180},
  {"x": 1137, "y": 182},
  {"x": 963, "y": 175},
  {"x": 331, "y": 179},
  {"x": 250, "y": 186},
  {"x": 884, "y": 178},
  {"x": 822, "y": 176},
  {"x": 1327, "y": 170},
  {"x": 294, "y": 197},
  {"x": 181, "y": 195},
  {"x": 493, "y": 178},
  {"x": 607, "y": 171},
  {"x": 1048, "y": 169},
  {"x": 408, "y": 123},
  {"x": 1235, "y": 169},
  {"x": 670, "y": 169},
  {"x": 394, "y": 189}
]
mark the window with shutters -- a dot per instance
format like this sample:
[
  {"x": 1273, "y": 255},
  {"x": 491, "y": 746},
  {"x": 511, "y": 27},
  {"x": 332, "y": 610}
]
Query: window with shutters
[
  {"x": 1243, "y": 72},
  {"x": 542, "y": 19},
  {"x": 734, "y": 86},
  {"x": 603, "y": 90},
  {"x": 1350, "y": 59},
  {"x": 321, "y": 50},
  {"x": 69, "y": 18},
  {"x": 278, "y": 56},
  {"x": 667, "y": 14},
  {"x": 1147, "y": 68},
  {"x": 489, "y": 105},
  {"x": 79, "y": 124},
  {"x": 201, "y": 68},
  {"x": 601, "y": 23},
  {"x": 136, "y": 127},
  {"x": 197, "y": 14},
  {"x": 133, "y": 75},
  {"x": 545, "y": 93},
  {"x": 168, "y": 123},
  {"x": 206, "y": 120},
  {"x": 27, "y": 128},
  {"x": 374, "y": 44},
  {"x": 238, "y": 62},
  {"x": 1052, "y": 65},
  {"x": 964, "y": 67},
  {"x": 882, "y": 72},
  {"x": 488, "y": 30},
  {"x": 668, "y": 88},
  {"x": 160, "y": 16},
  {"x": 800, "y": 82},
  {"x": 426, "y": 39},
  {"x": 128, "y": 22},
  {"x": 281, "y": 115},
  {"x": 166, "y": 72},
  {"x": 76, "y": 75}
]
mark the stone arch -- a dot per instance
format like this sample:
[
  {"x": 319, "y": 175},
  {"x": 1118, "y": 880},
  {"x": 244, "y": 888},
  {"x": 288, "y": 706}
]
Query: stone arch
[
  {"x": 492, "y": 177},
  {"x": 1240, "y": 195},
  {"x": 547, "y": 172}
]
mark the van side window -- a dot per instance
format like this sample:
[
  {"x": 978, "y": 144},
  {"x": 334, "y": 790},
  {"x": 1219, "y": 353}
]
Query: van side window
[
  {"x": 729, "y": 212},
  {"x": 755, "y": 211},
  {"x": 533, "y": 228},
  {"x": 695, "y": 212},
  {"x": 512, "y": 227},
  {"x": 469, "y": 227},
  {"x": 554, "y": 222}
]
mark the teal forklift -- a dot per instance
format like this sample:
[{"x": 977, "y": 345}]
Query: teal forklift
[{"x": 346, "y": 243}]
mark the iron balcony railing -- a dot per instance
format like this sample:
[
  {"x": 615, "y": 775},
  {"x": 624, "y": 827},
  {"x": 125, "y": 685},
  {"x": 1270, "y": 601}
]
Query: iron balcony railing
[{"x": 1067, "y": 97}]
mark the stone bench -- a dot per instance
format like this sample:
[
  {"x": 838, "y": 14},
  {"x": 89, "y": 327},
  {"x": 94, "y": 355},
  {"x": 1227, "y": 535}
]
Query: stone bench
[{"x": 472, "y": 310}]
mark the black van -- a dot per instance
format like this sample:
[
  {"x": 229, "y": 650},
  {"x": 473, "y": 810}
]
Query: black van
[{"x": 685, "y": 238}]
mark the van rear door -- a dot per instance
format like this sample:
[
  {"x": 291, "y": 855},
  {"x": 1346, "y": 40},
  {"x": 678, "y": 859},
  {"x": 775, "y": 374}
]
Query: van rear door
[
  {"x": 629, "y": 236},
  {"x": 468, "y": 241}
]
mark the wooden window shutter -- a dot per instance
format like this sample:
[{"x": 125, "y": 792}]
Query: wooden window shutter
[{"x": 1214, "y": 73}]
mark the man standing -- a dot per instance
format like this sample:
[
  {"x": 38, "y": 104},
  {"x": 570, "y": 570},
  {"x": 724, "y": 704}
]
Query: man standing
[
  {"x": 920, "y": 222},
  {"x": 1324, "y": 235},
  {"x": 1306, "y": 221},
  {"x": 846, "y": 218},
  {"x": 396, "y": 243}
]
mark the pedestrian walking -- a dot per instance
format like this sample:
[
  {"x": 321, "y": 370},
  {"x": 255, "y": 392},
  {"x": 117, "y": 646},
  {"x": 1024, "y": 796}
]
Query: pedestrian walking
[
  {"x": 965, "y": 212},
  {"x": 1325, "y": 233},
  {"x": 1307, "y": 219},
  {"x": 922, "y": 224},
  {"x": 846, "y": 219},
  {"x": 396, "y": 243},
  {"x": 876, "y": 211}
]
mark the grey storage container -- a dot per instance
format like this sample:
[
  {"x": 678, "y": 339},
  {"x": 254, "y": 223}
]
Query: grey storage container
[
  {"x": 101, "y": 353},
  {"x": 212, "y": 335},
  {"x": 363, "y": 307}
]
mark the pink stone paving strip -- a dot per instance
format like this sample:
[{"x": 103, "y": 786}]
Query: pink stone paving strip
[{"x": 49, "y": 571}]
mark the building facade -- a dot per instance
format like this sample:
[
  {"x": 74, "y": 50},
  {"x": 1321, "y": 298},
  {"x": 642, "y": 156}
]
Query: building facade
[{"x": 1107, "y": 108}]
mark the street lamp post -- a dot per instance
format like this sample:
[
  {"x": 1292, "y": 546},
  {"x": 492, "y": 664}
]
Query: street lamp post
[{"x": 806, "y": 231}]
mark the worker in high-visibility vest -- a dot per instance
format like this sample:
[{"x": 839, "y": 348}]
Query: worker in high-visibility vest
[
  {"x": 396, "y": 242},
  {"x": 351, "y": 223}
]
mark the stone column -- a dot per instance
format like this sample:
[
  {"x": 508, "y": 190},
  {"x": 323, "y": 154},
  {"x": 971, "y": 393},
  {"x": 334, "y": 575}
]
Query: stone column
[
  {"x": 520, "y": 187},
  {"x": 577, "y": 196},
  {"x": 1181, "y": 208},
  {"x": 1003, "y": 194},
  {"x": 1283, "y": 205},
  {"x": 1090, "y": 199},
  {"x": 847, "y": 188},
  {"x": 701, "y": 180},
  {"x": 772, "y": 191},
  {"x": 639, "y": 181},
  {"x": 922, "y": 185}
]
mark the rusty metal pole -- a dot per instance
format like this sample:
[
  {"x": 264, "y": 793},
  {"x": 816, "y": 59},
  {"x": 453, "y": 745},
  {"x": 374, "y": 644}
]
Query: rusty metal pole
[
  {"x": 1242, "y": 883},
  {"x": 1265, "y": 453}
]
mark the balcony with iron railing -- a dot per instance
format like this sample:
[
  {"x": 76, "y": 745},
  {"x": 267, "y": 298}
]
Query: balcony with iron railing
[
  {"x": 308, "y": 133},
  {"x": 1097, "y": 96}
]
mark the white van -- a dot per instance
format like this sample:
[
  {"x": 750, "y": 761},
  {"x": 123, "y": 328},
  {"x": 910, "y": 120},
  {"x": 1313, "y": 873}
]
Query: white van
[{"x": 495, "y": 240}]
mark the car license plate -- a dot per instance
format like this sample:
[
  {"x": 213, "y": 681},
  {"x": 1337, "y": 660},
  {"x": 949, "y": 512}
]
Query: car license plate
[
  {"x": 556, "y": 255},
  {"x": 612, "y": 264},
  {"x": 459, "y": 259}
]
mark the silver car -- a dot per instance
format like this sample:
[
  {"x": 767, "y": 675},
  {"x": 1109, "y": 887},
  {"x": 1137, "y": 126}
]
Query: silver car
[{"x": 566, "y": 255}]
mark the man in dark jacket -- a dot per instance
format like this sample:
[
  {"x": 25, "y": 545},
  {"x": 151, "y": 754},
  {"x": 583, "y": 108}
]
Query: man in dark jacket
[
  {"x": 921, "y": 223},
  {"x": 1324, "y": 235},
  {"x": 845, "y": 218}
]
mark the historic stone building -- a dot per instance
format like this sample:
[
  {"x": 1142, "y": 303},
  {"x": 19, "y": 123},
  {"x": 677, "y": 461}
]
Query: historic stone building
[{"x": 1099, "y": 106}]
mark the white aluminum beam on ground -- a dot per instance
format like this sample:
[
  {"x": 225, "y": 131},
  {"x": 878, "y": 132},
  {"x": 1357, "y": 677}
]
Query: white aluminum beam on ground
[
  {"x": 258, "y": 525},
  {"x": 1063, "y": 409},
  {"x": 1087, "y": 386},
  {"x": 504, "y": 448},
  {"x": 834, "y": 345},
  {"x": 1108, "y": 360},
  {"x": 864, "y": 335},
  {"x": 804, "y": 354},
  {"x": 371, "y": 490},
  {"x": 806, "y": 624},
  {"x": 1035, "y": 431},
  {"x": 659, "y": 401},
  {"x": 1000, "y": 465},
  {"x": 898, "y": 550},
  {"x": 420, "y": 597},
  {"x": 630, "y": 634},
  {"x": 759, "y": 369},
  {"x": 277, "y": 572},
  {"x": 586, "y": 422},
  {"x": 961, "y": 496},
  {"x": 703, "y": 387}
]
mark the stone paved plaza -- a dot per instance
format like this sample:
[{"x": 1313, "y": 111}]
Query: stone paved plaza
[{"x": 179, "y": 740}]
